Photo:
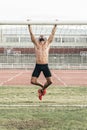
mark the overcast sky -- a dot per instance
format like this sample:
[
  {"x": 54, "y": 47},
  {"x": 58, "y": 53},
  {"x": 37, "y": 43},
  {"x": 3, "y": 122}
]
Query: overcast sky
[{"x": 43, "y": 9}]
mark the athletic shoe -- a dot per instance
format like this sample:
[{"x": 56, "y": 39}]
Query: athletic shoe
[
  {"x": 44, "y": 92},
  {"x": 40, "y": 94}
]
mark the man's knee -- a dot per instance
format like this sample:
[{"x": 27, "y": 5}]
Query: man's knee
[
  {"x": 49, "y": 81},
  {"x": 33, "y": 81}
]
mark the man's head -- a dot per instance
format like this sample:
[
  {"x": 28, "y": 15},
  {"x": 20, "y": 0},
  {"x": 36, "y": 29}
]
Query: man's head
[{"x": 42, "y": 38}]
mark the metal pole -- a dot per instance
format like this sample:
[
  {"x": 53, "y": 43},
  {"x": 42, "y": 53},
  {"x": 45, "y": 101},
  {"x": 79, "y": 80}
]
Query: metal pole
[{"x": 43, "y": 22}]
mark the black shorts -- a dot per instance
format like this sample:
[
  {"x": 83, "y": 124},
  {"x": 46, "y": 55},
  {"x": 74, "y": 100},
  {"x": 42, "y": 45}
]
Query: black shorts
[{"x": 41, "y": 68}]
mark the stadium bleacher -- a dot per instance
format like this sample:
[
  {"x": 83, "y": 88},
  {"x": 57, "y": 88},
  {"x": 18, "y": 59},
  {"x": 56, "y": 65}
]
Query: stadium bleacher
[{"x": 69, "y": 47}]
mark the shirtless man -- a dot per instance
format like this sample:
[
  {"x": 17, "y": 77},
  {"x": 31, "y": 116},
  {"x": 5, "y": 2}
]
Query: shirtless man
[{"x": 42, "y": 46}]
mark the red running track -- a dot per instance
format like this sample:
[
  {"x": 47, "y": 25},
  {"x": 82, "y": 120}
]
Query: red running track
[{"x": 60, "y": 77}]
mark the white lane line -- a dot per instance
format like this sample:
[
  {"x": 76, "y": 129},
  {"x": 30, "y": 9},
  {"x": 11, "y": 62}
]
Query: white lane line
[
  {"x": 59, "y": 79},
  {"x": 2, "y": 83},
  {"x": 43, "y": 105},
  {"x": 74, "y": 72}
]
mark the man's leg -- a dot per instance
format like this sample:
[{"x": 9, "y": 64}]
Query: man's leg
[
  {"x": 42, "y": 91},
  {"x": 34, "y": 81},
  {"x": 48, "y": 83}
]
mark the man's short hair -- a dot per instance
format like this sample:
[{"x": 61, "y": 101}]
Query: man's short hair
[{"x": 42, "y": 38}]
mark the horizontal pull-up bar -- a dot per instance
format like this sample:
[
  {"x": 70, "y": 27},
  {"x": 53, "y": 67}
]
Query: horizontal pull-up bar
[{"x": 43, "y": 22}]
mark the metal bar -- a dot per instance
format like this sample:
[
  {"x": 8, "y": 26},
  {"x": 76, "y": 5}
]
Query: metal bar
[{"x": 43, "y": 22}]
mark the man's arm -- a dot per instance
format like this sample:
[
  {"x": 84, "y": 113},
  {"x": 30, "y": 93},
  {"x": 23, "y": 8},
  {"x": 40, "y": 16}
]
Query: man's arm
[
  {"x": 32, "y": 35},
  {"x": 50, "y": 39}
]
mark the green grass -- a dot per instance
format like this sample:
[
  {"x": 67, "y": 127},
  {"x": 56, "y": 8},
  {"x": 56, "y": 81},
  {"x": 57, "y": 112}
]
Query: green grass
[{"x": 43, "y": 115}]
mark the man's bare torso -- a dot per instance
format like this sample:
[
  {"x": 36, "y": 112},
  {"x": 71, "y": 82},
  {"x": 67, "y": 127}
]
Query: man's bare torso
[
  {"x": 42, "y": 46},
  {"x": 42, "y": 53}
]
